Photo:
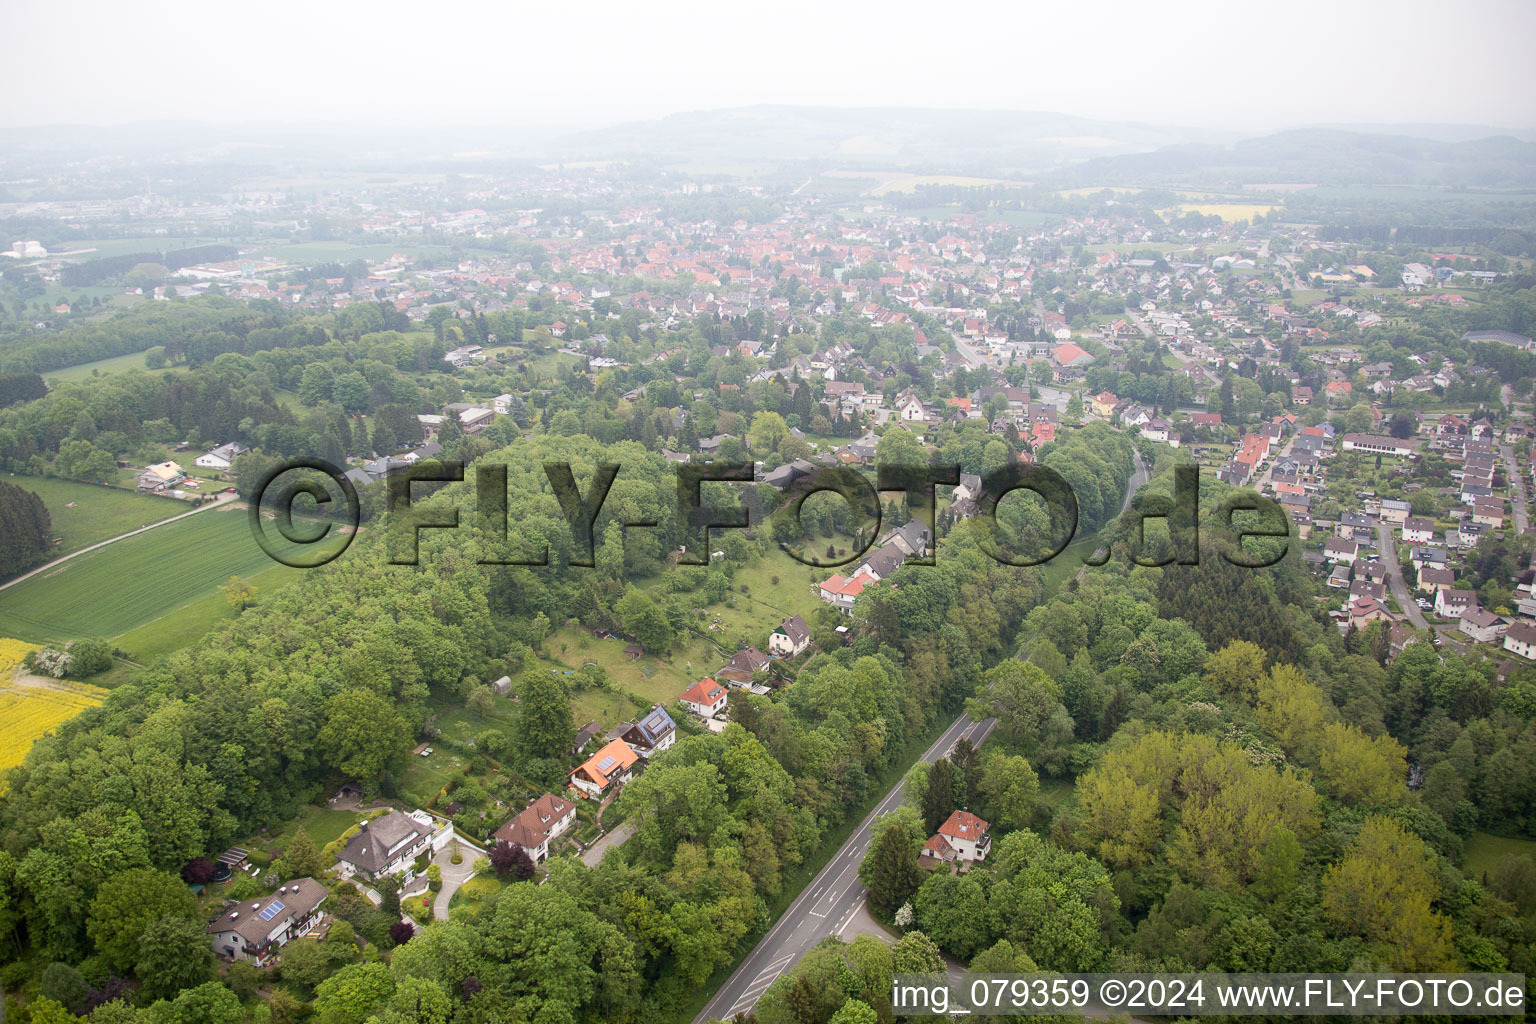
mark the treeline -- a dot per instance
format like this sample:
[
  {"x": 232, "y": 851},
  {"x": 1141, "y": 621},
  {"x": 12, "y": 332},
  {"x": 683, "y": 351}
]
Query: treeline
[
  {"x": 94, "y": 272},
  {"x": 20, "y": 387},
  {"x": 26, "y": 532}
]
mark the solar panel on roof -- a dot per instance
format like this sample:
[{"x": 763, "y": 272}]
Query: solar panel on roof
[
  {"x": 605, "y": 764},
  {"x": 272, "y": 911}
]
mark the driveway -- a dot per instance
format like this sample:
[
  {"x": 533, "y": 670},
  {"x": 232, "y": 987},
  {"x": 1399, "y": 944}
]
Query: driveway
[
  {"x": 454, "y": 875},
  {"x": 593, "y": 855}
]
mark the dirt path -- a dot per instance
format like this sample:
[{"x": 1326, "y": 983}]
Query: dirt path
[{"x": 20, "y": 677}]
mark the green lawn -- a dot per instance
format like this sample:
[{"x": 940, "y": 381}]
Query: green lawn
[
  {"x": 424, "y": 777},
  {"x": 118, "y": 588},
  {"x": 324, "y": 825},
  {"x": 1482, "y": 851},
  {"x": 101, "y": 367},
  {"x": 98, "y": 513}
]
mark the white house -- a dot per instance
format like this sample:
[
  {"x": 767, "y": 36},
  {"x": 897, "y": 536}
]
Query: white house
[
  {"x": 539, "y": 824},
  {"x": 1418, "y": 531},
  {"x": 1451, "y": 603},
  {"x": 1520, "y": 639},
  {"x": 962, "y": 837},
  {"x": 792, "y": 637},
  {"x": 387, "y": 845},
  {"x": 705, "y": 698},
  {"x": 613, "y": 765},
  {"x": 1481, "y": 625},
  {"x": 221, "y": 458}
]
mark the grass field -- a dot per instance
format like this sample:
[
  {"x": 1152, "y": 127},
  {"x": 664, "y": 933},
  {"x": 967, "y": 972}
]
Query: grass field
[
  {"x": 656, "y": 679},
  {"x": 118, "y": 588},
  {"x": 1482, "y": 851},
  {"x": 185, "y": 625},
  {"x": 99, "y": 512},
  {"x": 30, "y": 711},
  {"x": 1065, "y": 565},
  {"x": 101, "y": 367}
]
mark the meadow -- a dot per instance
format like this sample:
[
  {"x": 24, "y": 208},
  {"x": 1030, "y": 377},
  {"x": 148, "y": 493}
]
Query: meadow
[
  {"x": 101, "y": 368},
  {"x": 1482, "y": 850},
  {"x": 98, "y": 512},
  {"x": 120, "y": 587},
  {"x": 187, "y": 624}
]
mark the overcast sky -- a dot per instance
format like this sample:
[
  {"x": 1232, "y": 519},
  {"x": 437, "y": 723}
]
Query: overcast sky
[{"x": 1230, "y": 65}]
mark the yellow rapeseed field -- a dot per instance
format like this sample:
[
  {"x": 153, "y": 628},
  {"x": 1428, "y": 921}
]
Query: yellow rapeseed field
[
  {"x": 11, "y": 654},
  {"x": 1226, "y": 211},
  {"x": 27, "y": 712}
]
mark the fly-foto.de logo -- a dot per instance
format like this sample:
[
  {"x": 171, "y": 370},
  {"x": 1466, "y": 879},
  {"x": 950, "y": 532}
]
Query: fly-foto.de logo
[{"x": 333, "y": 513}]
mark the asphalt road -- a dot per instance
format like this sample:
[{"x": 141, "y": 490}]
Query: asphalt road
[
  {"x": 826, "y": 905},
  {"x": 1516, "y": 489},
  {"x": 1386, "y": 547}
]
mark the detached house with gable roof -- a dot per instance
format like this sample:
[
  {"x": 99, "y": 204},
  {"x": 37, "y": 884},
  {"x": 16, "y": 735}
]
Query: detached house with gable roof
[
  {"x": 539, "y": 824},
  {"x": 254, "y": 931},
  {"x": 962, "y": 837},
  {"x": 611, "y": 766},
  {"x": 651, "y": 733},
  {"x": 705, "y": 698},
  {"x": 792, "y": 637}
]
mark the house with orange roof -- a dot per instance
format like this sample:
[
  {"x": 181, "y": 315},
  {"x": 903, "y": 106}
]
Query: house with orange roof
[
  {"x": 704, "y": 698},
  {"x": 962, "y": 837},
  {"x": 841, "y": 592},
  {"x": 611, "y": 766}
]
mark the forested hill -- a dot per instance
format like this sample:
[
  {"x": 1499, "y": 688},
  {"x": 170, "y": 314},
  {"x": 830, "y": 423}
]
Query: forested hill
[{"x": 1325, "y": 156}]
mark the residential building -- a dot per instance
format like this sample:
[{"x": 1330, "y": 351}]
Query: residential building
[
  {"x": 966, "y": 835},
  {"x": 537, "y": 825},
  {"x": 611, "y": 766},
  {"x": 1451, "y": 603},
  {"x": 791, "y": 638},
  {"x": 1520, "y": 638},
  {"x": 255, "y": 930},
  {"x": 220, "y": 458},
  {"x": 841, "y": 592},
  {"x": 652, "y": 733},
  {"x": 161, "y": 476},
  {"x": 389, "y": 844},
  {"x": 1418, "y": 531},
  {"x": 1481, "y": 625},
  {"x": 705, "y": 698}
]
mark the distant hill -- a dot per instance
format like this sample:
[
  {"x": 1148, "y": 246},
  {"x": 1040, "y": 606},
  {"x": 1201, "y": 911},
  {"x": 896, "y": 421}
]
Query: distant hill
[
  {"x": 886, "y": 137},
  {"x": 1323, "y": 156}
]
